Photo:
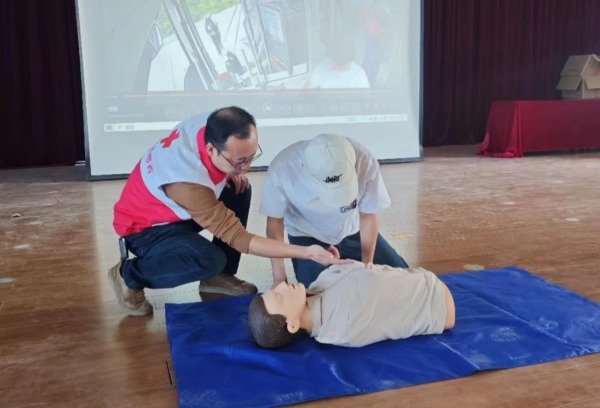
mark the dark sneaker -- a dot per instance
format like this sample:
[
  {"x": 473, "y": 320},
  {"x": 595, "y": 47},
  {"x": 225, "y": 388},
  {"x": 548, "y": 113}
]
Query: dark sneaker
[
  {"x": 207, "y": 297},
  {"x": 227, "y": 285},
  {"x": 131, "y": 302}
]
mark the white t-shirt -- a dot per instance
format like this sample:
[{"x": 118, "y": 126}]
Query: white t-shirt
[
  {"x": 289, "y": 192},
  {"x": 354, "y": 306},
  {"x": 324, "y": 76}
]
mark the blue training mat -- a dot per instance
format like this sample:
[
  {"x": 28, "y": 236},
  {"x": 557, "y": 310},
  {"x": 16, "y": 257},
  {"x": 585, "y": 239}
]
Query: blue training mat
[{"x": 505, "y": 318}]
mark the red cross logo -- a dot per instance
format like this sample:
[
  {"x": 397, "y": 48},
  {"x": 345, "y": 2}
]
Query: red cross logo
[{"x": 166, "y": 142}]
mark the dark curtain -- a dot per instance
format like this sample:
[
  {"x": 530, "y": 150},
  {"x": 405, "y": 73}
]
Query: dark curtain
[
  {"x": 478, "y": 51},
  {"x": 40, "y": 84},
  {"x": 475, "y": 51}
]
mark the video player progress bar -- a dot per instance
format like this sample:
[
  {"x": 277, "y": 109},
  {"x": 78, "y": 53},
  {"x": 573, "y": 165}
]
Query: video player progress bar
[{"x": 268, "y": 122}]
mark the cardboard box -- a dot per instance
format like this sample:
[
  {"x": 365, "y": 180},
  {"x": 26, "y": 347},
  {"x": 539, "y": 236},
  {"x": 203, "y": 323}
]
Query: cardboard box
[{"x": 580, "y": 77}]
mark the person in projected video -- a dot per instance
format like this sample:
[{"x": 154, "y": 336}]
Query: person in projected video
[
  {"x": 327, "y": 191},
  {"x": 212, "y": 29},
  {"x": 338, "y": 69},
  {"x": 190, "y": 180}
]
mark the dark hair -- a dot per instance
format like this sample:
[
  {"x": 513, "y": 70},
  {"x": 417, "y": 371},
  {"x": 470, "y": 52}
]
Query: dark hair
[
  {"x": 269, "y": 330},
  {"x": 226, "y": 122}
]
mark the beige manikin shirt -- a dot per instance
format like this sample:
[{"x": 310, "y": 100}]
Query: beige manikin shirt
[{"x": 354, "y": 306}]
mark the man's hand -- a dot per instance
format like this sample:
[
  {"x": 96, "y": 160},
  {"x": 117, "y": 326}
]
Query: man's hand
[
  {"x": 334, "y": 251},
  {"x": 325, "y": 257},
  {"x": 240, "y": 181}
]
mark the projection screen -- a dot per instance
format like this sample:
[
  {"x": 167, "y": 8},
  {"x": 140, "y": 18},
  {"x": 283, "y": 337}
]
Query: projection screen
[{"x": 301, "y": 67}]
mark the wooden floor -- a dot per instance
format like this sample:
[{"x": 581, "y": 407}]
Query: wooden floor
[{"x": 63, "y": 342}]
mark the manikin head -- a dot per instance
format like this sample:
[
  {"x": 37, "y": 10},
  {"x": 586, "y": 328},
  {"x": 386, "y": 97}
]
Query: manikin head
[
  {"x": 232, "y": 140},
  {"x": 278, "y": 316}
]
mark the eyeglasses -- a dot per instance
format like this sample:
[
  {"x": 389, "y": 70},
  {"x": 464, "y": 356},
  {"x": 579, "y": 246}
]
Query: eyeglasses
[{"x": 241, "y": 163}]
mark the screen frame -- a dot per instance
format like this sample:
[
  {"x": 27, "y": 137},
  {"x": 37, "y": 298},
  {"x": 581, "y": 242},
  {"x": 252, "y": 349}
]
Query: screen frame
[{"x": 121, "y": 176}]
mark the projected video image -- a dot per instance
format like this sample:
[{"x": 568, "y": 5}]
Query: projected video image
[
  {"x": 198, "y": 46},
  {"x": 300, "y": 67}
]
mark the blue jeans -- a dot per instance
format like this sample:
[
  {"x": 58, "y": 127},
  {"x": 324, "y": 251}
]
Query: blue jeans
[
  {"x": 174, "y": 254},
  {"x": 307, "y": 270}
]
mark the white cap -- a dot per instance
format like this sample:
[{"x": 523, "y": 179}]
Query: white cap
[{"x": 331, "y": 160}]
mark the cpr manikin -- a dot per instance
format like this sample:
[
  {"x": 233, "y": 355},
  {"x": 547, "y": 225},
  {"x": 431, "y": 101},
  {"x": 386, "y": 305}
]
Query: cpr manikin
[{"x": 354, "y": 305}]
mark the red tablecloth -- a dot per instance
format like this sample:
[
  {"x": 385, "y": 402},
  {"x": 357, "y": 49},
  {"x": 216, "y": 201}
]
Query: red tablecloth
[{"x": 517, "y": 127}]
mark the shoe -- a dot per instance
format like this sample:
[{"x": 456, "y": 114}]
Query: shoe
[
  {"x": 207, "y": 297},
  {"x": 227, "y": 285},
  {"x": 132, "y": 302}
]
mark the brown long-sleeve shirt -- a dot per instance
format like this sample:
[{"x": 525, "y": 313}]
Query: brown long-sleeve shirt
[{"x": 210, "y": 213}]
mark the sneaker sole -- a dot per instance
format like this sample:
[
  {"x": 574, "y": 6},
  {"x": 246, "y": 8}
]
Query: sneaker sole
[
  {"x": 223, "y": 291},
  {"x": 208, "y": 297},
  {"x": 121, "y": 300}
]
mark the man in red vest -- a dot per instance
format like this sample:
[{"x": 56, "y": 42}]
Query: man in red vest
[{"x": 194, "y": 179}]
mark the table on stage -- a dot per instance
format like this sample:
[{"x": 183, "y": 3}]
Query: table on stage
[{"x": 518, "y": 127}]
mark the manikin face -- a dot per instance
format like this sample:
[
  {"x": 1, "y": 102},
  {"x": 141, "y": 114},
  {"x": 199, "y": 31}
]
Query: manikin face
[
  {"x": 238, "y": 154},
  {"x": 288, "y": 300}
]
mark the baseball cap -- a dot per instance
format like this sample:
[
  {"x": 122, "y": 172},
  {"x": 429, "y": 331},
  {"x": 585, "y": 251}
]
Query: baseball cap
[{"x": 331, "y": 161}]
